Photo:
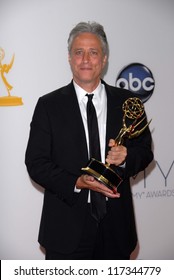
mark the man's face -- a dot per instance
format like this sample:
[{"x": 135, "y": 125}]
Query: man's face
[{"x": 86, "y": 59}]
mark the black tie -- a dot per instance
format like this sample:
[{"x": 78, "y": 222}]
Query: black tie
[{"x": 98, "y": 200}]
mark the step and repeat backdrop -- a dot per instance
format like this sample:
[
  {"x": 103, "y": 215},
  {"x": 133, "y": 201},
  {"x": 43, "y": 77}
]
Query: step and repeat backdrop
[{"x": 34, "y": 61}]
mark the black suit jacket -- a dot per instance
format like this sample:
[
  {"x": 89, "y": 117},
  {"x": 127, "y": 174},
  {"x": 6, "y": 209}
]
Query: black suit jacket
[{"x": 56, "y": 152}]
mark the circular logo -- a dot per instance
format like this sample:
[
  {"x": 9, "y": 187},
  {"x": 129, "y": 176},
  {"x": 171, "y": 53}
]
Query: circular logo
[{"x": 138, "y": 79}]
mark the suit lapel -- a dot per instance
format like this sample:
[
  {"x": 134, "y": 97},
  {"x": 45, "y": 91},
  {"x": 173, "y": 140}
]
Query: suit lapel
[
  {"x": 114, "y": 115},
  {"x": 76, "y": 127}
]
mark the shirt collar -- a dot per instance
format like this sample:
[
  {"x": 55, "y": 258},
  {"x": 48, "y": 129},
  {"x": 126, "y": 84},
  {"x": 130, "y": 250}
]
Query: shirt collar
[{"x": 81, "y": 93}]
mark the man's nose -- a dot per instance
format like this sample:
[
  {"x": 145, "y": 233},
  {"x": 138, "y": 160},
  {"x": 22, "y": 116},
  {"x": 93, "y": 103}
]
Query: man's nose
[{"x": 86, "y": 57}]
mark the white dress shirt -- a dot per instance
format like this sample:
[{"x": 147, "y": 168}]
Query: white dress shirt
[{"x": 100, "y": 103}]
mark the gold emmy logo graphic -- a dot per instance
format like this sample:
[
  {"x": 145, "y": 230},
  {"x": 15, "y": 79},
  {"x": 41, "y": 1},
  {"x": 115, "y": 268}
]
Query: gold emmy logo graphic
[{"x": 4, "y": 69}]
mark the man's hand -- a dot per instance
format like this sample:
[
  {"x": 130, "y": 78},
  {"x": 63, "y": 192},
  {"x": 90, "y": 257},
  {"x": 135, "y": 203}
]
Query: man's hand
[
  {"x": 89, "y": 182},
  {"x": 117, "y": 154}
]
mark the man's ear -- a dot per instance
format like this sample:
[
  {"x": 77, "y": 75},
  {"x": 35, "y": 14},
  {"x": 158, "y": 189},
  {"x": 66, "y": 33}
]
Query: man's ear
[
  {"x": 69, "y": 57},
  {"x": 105, "y": 58}
]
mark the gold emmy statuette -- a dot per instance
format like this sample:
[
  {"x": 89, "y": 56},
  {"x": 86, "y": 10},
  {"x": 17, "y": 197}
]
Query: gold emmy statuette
[
  {"x": 4, "y": 69},
  {"x": 133, "y": 110}
]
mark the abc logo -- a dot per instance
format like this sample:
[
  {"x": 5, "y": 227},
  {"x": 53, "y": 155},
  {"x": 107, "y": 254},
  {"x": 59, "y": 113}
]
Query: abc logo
[{"x": 137, "y": 78}]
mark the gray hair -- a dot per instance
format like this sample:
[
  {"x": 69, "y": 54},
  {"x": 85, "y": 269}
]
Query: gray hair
[{"x": 89, "y": 27}]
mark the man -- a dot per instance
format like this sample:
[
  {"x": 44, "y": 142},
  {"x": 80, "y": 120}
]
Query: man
[{"x": 58, "y": 148}]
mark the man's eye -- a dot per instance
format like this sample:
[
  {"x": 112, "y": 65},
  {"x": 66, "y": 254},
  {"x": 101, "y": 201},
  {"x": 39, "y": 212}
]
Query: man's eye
[
  {"x": 78, "y": 52},
  {"x": 93, "y": 53}
]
